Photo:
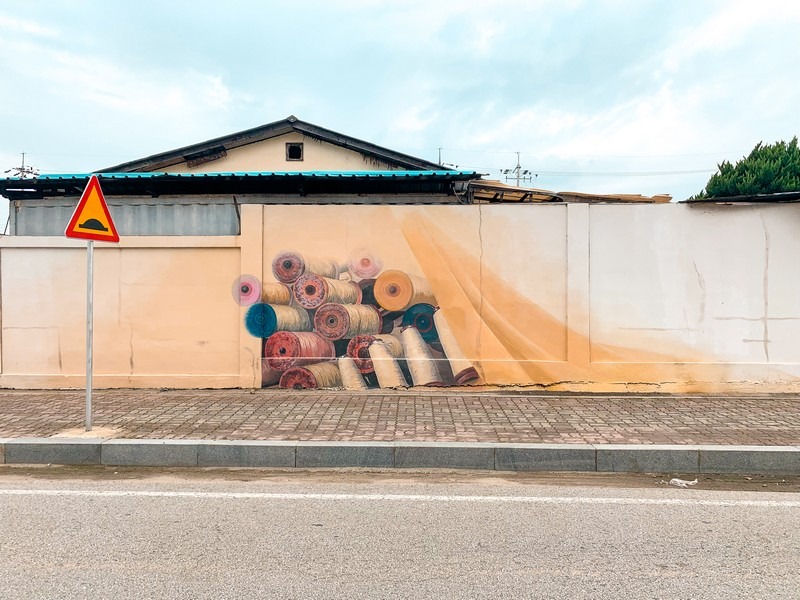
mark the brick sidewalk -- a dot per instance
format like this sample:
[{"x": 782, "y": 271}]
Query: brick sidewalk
[{"x": 394, "y": 416}]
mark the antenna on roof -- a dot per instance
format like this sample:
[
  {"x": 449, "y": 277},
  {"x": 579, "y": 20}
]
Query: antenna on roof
[
  {"x": 23, "y": 171},
  {"x": 517, "y": 173}
]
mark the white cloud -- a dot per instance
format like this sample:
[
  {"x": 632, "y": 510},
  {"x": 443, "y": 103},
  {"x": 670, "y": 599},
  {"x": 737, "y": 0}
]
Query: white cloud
[{"x": 13, "y": 25}]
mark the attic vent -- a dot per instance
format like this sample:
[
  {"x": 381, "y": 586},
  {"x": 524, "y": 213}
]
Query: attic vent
[
  {"x": 198, "y": 158},
  {"x": 294, "y": 151}
]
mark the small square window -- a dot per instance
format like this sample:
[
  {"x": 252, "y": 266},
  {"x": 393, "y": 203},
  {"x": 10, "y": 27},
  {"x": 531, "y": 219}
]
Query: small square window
[{"x": 294, "y": 151}]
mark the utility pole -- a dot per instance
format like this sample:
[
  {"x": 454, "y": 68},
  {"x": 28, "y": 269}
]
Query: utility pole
[
  {"x": 518, "y": 174},
  {"x": 23, "y": 171},
  {"x": 440, "y": 157}
]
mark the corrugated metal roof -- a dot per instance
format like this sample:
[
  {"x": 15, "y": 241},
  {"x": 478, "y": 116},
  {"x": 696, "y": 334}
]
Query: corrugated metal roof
[
  {"x": 303, "y": 183},
  {"x": 243, "y": 174}
]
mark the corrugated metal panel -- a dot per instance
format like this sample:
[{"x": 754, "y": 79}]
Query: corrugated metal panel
[
  {"x": 32, "y": 218},
  {"x": 354, "y": 174}
]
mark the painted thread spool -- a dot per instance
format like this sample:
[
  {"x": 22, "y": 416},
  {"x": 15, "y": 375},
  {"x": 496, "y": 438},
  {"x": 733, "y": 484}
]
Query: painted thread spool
[
  {"x": 246, "y": 290},
  {"x": 262, "y": 320},
  {"x": 320, "y": 375},
  {"x": 351, "y": 376},
  {"x": 358, "y": 350},
  {"x": 312, "y": 291},
  {"x": 288, "y": 266},
  {"x": 420, "y": 316},
  {"x": 463, "y": 370},
  {"x": 287, "y": 349},
  {"x": 276, "y": 293},
  {"x": 342, "y": 321},
  {"x": 386, "y": 368},
  {"x": 364, "y": 264},
  {"x": 395, "y": 290},
  {"x": 419, "y": 360},
  {"x": 269, "y": 376}
]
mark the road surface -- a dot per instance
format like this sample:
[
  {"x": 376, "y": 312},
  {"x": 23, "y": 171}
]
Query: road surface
[{"x": 150, "y": 534}]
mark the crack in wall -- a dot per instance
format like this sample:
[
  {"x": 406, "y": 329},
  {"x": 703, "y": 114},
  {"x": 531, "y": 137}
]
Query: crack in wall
[
  {"x": 701, "y": 282},
  {"x": 765, "y": 284},
  {"x": 480, "y": 284}
]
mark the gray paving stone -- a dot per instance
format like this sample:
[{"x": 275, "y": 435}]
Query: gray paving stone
[
  {"x": 245, "y": 453},
  {"x": 344, "y": 454},
  {"x": 545, "y": 457},
  {"x": 3, "y": 450},
  {"x": 58, "y": 451},
  {"x": 149, "y": 453},
  {"x": 444, "y": 455},
  {"x": 647, "y": 458},
  {"x": 784, "y": 460}
]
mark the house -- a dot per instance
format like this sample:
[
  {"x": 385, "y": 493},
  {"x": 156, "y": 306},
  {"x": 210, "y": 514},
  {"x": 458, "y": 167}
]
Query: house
[
  {"x": 199, "y": 189},
  {"x": 286, "y": 145}
]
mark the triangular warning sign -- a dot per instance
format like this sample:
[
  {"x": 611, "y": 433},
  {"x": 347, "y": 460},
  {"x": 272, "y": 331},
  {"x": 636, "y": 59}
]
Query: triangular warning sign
[{"x": 91, "y": 219}]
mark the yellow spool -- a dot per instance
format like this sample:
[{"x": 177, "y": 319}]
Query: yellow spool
[{"x": 395, "y": 290}]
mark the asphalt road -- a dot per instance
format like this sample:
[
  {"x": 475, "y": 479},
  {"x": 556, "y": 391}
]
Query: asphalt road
[{"x": 153, "y": 535}]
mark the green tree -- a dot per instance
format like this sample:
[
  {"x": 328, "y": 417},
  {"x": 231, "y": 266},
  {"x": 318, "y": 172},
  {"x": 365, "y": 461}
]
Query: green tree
[{"x": 766, "y": 170}]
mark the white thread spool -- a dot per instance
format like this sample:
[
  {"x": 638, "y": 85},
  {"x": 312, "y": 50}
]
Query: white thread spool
[
  {"x": 419, "y": 360},
  {"x": 386, "y": 368},
  {"x": 351, "y": 376},
  {"x": 358, "y": 349},
  {"x": 463, "y": 369}
]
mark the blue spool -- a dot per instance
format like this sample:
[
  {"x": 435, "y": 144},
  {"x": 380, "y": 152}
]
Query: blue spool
[
  {"x": 421, "y": 317},
  {"x": 260, "y": 320}
]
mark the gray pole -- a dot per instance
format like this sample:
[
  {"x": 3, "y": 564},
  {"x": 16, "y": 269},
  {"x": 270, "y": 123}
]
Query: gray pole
[{"x": 89, "y": 329}]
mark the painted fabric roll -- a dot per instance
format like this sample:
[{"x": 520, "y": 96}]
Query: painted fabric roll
[
  {"x": 387, "y": 370},
  {"x": 286, "y": 349},
  {"x": 320, "y": 375},
  {"x": 312, "y": 291},
  {"x": 262, "y": 320},
  {"x": 351, "y": 376},
  {"x": 463, "y": 370},
  {"x": 288, "y": 266},
  {"x": 364, "y": 264},
  {"x": 276, "y": 293},
  {"x": 419, "y": 360},
  {"x": 395, "y": 290},
  {"x": 246, "y": 290},
  {"x": 420, "y": 316},
  {"x": 269, "y": 376},
  {"x": 341, "y": 321},
  {"x": 358, "y": 350}
]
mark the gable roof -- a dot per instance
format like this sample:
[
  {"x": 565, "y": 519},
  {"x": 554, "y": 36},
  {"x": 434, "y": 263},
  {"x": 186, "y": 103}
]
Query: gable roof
[{"x": 163, "y": 160}]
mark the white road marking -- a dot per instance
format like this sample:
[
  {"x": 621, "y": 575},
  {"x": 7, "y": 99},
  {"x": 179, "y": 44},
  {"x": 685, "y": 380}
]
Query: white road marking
[{"x": 404, "y": 498}]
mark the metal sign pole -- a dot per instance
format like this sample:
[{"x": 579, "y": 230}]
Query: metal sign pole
[{"x": 89, "y": 329}]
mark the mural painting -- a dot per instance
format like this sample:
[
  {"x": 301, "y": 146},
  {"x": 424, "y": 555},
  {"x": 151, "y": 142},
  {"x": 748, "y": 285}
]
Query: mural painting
[{"x": 349, "y": 323}]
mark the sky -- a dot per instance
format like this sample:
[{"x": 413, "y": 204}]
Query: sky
[{"x": 601, "y": 96}]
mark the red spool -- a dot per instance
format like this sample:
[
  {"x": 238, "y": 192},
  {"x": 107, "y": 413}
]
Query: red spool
[
  {"x": 358, "y": 350},
  {"x": 320, "y": 375},
  {"x": 285, "y": 349},
  {"x": 339, "y": 321}
]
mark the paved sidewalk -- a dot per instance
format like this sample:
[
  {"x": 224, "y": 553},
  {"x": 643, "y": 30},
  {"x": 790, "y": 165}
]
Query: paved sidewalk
[{"x": 446, "y": 416}]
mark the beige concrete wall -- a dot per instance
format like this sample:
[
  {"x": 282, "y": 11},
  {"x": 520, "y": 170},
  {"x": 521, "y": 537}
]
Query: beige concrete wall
[
  {"x": 270, "y": 155},
  {"x": 670, "y": 298},
  {"x": 163, "y": 313}
]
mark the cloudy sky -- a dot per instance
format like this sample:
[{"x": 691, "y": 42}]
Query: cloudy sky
[{"x": 600, "y": 96}]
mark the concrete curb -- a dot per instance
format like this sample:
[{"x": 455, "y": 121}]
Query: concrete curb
[{"x": 749, "y": 460}]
